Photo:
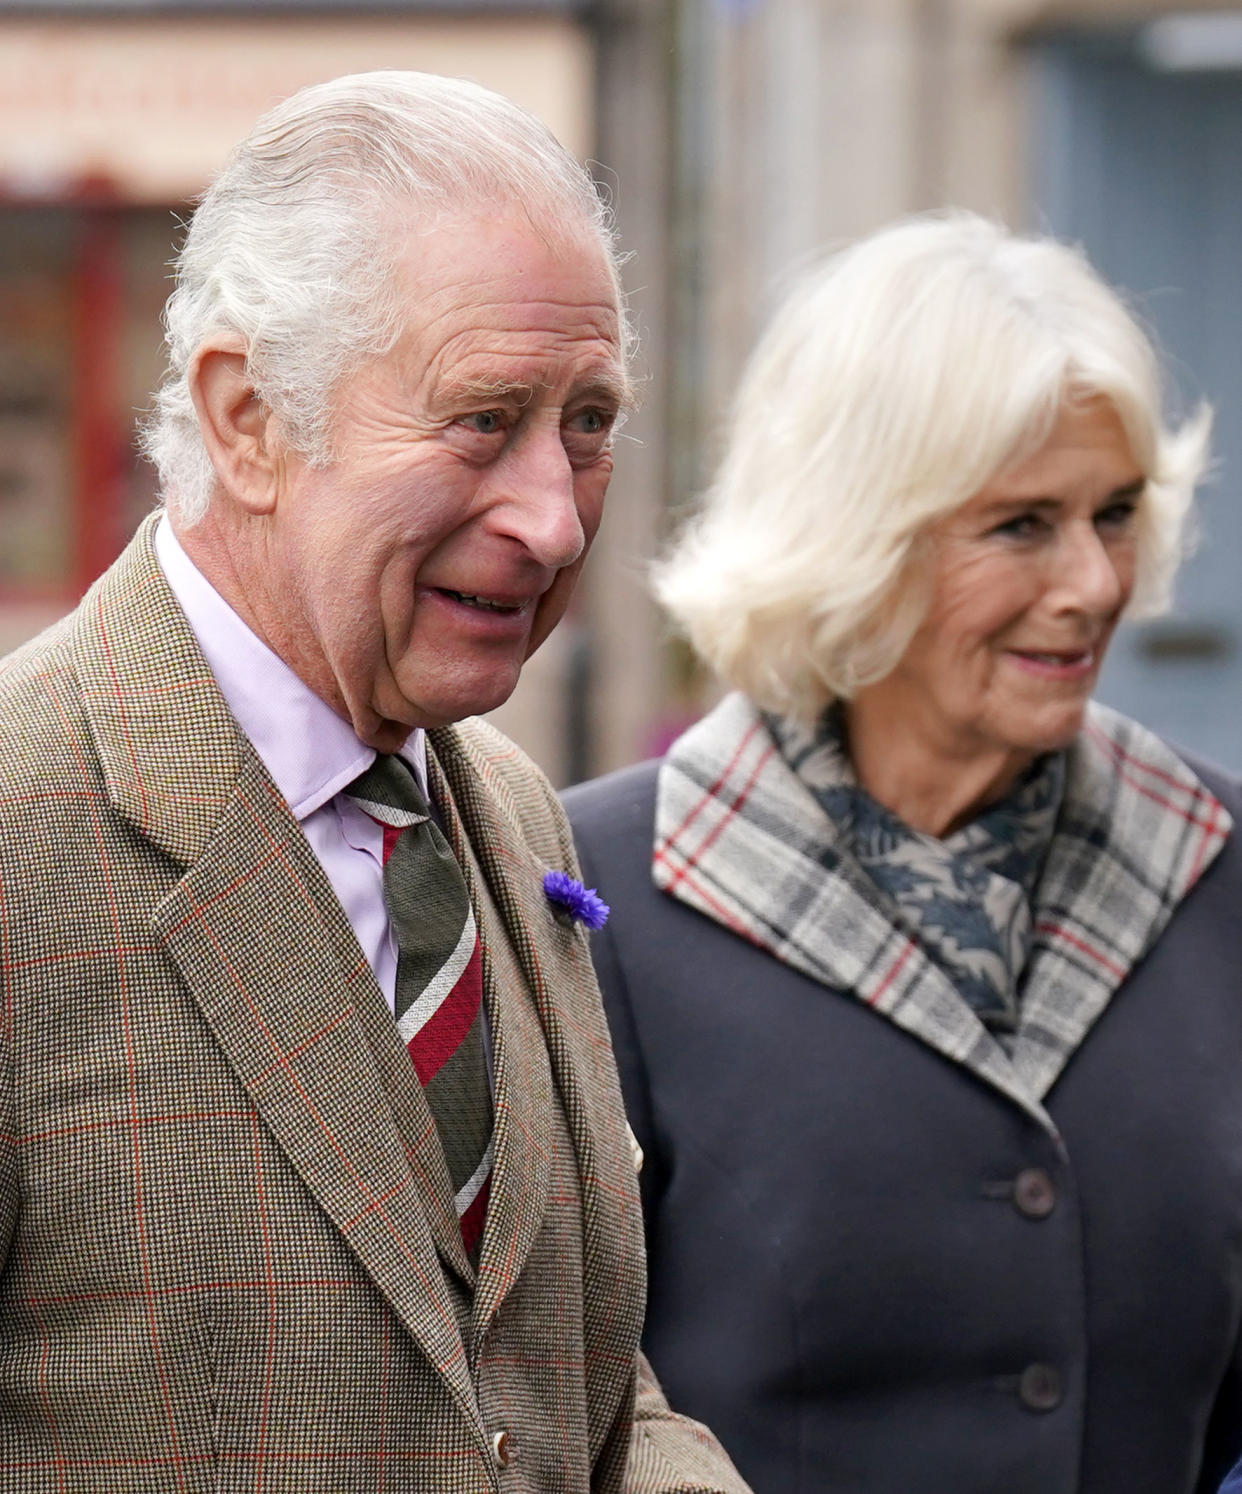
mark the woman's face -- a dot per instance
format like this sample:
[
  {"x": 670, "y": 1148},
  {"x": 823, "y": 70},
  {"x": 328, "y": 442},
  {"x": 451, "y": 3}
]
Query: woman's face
[{"x": 1029, "y": 579}]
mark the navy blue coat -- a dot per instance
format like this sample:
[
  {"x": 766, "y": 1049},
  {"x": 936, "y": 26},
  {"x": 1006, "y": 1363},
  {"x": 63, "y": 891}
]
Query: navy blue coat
[{"x": 871, "y": 1272}]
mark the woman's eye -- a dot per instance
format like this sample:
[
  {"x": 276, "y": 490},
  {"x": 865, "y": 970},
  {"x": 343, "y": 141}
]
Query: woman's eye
[
  {"x": 1116, "y": 515},
  {"x": 1022, "y": 526}
]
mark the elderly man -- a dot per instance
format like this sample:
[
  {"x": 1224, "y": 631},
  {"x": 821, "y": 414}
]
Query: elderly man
[{"x": 257, "y": 1234}]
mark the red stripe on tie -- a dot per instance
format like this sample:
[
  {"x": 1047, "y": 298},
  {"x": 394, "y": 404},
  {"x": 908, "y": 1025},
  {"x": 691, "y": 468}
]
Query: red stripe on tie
[
  {"x": 442, "y": 1033},
  {"x": 392, "y": 834},
  {"x": 473, "y": 1219}
]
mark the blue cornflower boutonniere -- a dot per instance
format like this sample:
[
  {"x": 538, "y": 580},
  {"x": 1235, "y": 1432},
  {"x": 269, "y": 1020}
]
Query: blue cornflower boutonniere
[{"x": 574, "y": 903}]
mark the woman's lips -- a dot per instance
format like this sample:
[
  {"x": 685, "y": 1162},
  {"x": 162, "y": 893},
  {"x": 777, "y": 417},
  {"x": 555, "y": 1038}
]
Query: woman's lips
[{"x": 1065, "y": 664}]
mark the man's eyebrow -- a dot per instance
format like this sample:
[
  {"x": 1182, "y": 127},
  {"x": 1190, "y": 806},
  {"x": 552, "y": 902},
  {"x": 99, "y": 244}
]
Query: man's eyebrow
[
  {"x": 607, "y": 388},
  {"x": 610, "y": 389},
  {"x": 471, "y": 391}
]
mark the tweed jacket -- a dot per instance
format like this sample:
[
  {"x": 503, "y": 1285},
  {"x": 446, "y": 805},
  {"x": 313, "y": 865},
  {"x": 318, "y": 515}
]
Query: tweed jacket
[
  {"x": 887, "y": 1253},
  {"x": 229, "y": 1255}
]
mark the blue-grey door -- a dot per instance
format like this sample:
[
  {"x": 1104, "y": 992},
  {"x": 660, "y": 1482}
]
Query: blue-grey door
[{"x": 1144, "y": 169}]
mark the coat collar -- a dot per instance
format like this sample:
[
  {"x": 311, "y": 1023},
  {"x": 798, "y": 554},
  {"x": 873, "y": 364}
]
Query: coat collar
[{"x": 741, "y": 839}]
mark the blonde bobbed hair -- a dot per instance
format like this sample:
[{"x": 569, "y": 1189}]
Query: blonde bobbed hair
[{"x": 897, "y": 380}]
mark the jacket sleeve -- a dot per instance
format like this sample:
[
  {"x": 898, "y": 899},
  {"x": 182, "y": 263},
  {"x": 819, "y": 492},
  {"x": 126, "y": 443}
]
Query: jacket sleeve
[
  {"x": 670, "y": 1454},
  {"x": 1223, "y": 1442}
]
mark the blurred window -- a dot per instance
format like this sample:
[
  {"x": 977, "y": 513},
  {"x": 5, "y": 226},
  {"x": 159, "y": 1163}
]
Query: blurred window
[{"x": 81, "y": 288}]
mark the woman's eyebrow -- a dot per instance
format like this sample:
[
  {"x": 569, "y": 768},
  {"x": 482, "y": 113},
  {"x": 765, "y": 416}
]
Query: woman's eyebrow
[{"x": 1129, "y": 490}]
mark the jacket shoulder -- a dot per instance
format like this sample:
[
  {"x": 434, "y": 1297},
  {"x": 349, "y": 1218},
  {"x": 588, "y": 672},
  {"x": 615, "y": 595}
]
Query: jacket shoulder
[
  {"x": 618, "y": 803},
  {"x": 613, "y": 823},
  {"x": 41, "y": 723}
]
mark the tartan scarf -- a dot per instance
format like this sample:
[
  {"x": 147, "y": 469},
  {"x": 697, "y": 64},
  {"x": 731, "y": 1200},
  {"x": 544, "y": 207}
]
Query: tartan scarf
[
  {"x": 966, "y": 898},
  {"x": 741, "y": 838}
]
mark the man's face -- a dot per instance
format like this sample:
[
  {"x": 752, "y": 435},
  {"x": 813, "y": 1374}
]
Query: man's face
[{"x": 439, "y": 548}]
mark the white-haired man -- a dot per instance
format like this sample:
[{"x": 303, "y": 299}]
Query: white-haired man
[{"x": 257, "y": 1234}]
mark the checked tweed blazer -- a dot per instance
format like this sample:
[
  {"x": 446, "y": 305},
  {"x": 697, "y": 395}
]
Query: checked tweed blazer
[{"x": 228, "y": 1259}]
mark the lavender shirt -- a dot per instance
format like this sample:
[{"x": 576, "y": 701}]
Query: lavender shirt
[{"x": 310, "y": 751}]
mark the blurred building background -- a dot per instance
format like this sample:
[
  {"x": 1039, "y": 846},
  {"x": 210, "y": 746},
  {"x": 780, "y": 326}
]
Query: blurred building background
[{"x": 738, "y": 139}]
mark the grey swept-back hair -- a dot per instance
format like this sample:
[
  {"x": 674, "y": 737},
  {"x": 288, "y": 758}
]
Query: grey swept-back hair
[
  {"x": 294, "y": 245},
  {"x": 894, "y": 383}
]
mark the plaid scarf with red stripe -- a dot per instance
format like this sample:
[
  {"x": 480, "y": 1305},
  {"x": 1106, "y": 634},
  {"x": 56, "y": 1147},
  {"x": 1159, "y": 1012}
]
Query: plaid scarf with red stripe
[{"x": 741, "y": 838}]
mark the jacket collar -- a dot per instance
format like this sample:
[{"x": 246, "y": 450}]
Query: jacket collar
[
  {"x": 741, "y": 839},
  {"x": 170, "y": 751}
]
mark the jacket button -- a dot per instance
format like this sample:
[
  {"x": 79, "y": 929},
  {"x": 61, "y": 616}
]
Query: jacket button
[
  {"x": 1034, "y": 1193},
  {"x": 502, "y": 1449},
  {"x": 1039, "y": 1389}
]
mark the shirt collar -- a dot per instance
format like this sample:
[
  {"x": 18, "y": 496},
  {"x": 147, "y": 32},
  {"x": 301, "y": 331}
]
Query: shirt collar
[{"x": 310, "y": 751}]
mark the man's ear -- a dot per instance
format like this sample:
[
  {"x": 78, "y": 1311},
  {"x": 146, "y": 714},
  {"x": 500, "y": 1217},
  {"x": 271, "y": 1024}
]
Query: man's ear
[{"x": 236, "y": 426}]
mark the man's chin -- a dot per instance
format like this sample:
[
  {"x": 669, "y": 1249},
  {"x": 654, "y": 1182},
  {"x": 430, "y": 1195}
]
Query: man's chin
[
  {"x": 386, "y": 736},
  {"x": 391, "y": 721}
]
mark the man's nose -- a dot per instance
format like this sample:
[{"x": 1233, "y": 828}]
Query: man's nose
[
  {"x": 539, "y": 505},
  {"x": 1087, "y": 573}
]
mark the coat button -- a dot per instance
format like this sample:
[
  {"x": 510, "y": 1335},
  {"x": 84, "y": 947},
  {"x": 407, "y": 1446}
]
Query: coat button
[
  {"x": 1039, "y": 1389},
  {"x": 502, "y": 1449},
  {"x": 1034, "y": 1193}
]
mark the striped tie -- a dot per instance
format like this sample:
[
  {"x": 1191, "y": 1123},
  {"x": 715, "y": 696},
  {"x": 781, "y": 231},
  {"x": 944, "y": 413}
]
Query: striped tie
[{"x": 439, "y": 997}]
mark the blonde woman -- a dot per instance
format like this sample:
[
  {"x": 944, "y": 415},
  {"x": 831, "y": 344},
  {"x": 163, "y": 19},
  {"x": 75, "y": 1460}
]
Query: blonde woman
[{"x": 924, "y": 970}]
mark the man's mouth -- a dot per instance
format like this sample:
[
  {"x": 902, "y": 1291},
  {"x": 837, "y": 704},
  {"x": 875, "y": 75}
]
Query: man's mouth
[{"x": 483, "y": 604}]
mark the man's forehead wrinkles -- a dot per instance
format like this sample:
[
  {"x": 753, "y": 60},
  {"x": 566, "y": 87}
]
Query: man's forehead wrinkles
[
  {"x": 464, "y": 302},
  {"x": 515, "y": 339}
]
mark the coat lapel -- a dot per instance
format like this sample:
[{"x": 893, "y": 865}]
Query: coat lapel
[
  {"x": 263, "y": 946},
  {"x": 741, "y": 839},
  {"x": 1137, "y": 831}
]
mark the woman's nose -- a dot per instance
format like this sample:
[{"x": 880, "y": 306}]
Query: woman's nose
[{"x": 1090, "y": 573}]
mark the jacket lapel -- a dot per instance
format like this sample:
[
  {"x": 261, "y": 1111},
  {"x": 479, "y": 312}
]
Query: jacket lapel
[
  {"x": 1136, "y": 832},
  {"x": 490, "y": 854},
  {"x": 552, "y": 1037},
  {"x": 263, "y": 946}
]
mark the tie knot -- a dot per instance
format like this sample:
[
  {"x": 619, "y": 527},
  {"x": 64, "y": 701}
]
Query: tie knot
[{"x": 389, "y": 792}]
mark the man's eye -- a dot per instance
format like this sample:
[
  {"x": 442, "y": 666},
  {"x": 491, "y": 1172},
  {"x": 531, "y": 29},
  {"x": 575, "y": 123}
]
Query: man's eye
[
  {"x": 486, "y": 422},
  {"x": 592, "y": 427}
]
